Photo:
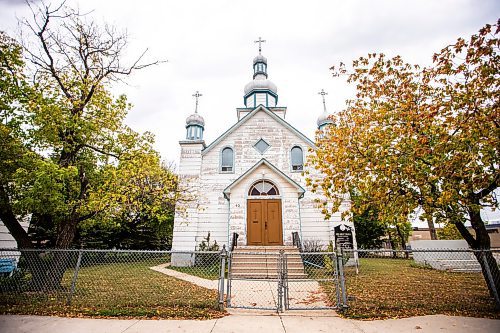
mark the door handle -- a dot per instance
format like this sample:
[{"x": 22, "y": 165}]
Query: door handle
[{"x": 265, "y": 224}]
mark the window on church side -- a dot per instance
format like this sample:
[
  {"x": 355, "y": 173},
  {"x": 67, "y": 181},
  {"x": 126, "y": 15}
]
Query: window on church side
[
  {"x": 263, "y": 187},
  {"x": 297, "y": 158},
  {"x": 227, "y": 160}
]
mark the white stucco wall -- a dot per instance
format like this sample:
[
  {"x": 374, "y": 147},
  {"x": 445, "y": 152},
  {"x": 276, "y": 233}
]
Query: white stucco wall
[{"x": 219, "y": 216}]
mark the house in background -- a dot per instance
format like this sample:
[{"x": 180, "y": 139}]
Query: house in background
[
  {"x": 250, "y": 181},
  {"x": 491, "y": 218},
  {"x": 6, "y": 239}
]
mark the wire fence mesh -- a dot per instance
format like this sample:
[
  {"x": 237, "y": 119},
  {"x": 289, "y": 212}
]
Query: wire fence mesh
[
  {"x": 99, "y": 282},
  {"x": 386, "y": 283},
  {"x": 253, "y": 280},
  {"x": 362, "y": 283},
  {"x": 284, "y": 280},
  {"x": 310, "y": 280}
]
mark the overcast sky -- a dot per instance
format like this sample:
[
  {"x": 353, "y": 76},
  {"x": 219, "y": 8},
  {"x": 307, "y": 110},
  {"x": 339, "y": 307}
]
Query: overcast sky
[{"x": 209, "y": 46}]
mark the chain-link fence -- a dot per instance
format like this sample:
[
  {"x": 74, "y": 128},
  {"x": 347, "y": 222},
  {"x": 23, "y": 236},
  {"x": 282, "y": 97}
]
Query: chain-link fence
[
  {"x": 101, "y": 282},
  {"x": 363, "y": 283},
  {"x": 313, "y": 281},
  {"x": 386, "y": 283},
  {"x": 253, "y": 279},
  {"x": 283, "y": 280}
]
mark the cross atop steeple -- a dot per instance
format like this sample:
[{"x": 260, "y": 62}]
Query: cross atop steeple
[
  {"x": 260, "y": 41},
  {"x": 196, "y": 95},
  {"x": 323, "y": 93}
]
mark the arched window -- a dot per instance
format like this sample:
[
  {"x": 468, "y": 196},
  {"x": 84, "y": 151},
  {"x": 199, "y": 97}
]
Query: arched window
[
  {"x": 227, "y": 160},
  {"x": 263, "y": 187},
  {"x": 297, "y": 158}
]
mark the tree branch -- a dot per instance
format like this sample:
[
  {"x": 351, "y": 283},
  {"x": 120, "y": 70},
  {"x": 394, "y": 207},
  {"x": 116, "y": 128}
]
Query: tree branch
[{"x": 101, "y": 151}]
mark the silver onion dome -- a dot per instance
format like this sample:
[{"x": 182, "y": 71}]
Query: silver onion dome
[
  {"x": 260, "y": 58},
  {"x": 324, "y": 119},
  {"x": 195, "y": 119},
  {"x": 261, "y": 84}
]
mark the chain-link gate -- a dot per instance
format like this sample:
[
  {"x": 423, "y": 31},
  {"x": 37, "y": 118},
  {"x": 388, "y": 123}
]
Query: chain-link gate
[
  {"x": 253, "y": 280},
  {"x": 314, "y": 283},
  {"x": 284, "y": 280}
]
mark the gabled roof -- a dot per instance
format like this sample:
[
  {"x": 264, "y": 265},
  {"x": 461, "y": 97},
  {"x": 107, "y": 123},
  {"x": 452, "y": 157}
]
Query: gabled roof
[
  {"x": 250, "y": 115},
  {"x": 300, "y": 189}
]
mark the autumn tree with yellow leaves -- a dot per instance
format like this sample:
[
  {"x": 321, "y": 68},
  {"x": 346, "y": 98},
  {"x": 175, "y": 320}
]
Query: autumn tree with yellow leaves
[{"x": 421, "y": 136}]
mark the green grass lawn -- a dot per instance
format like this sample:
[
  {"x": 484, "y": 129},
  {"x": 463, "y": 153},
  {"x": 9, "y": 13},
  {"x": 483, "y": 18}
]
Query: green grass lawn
[
  {"x": 388, "y": 288},
  {"x": 119, "y": 290},
  {"x": 210, "y": 272}
]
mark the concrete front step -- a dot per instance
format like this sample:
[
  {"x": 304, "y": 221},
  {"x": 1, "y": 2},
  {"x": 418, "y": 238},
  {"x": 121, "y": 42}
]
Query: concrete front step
[
  {"x": 261, "y": 262},
  {"x": 264, "y": 259},
  {"x": 250, "y": 269},
  {"x": 266, "y": 276},
  {"x": 267, "y": 248},
  {"x": 264, "y": 264}
]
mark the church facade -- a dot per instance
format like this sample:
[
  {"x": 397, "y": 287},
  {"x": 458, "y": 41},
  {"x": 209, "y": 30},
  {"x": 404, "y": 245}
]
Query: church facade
[{"x": 250, "y": 180}]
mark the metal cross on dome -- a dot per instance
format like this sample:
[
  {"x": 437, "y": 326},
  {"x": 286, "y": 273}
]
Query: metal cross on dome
[
  {"x": 323, "y": 93},
  {"x": 196, "y": 95},
  {"x": 260, "y": 41}
]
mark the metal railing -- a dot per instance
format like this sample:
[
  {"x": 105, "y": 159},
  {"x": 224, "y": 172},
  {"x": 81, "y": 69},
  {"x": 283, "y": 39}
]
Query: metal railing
[
  {"x": 234, "y": 241},
  {"x": 296, "y": 241}
]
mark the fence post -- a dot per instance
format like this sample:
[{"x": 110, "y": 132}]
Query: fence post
[
  {"x": 280, "y": 281},
  {"x": 491, "y": 280},
  {"x": 223, "y": 255},
  {"x": 340, "y": 266},
  {"x": 228, "y": 290},
  {"x": 335, "y": 265},
  {"x": 75, "y": 276},
  {"x": 285, "y": 282}
]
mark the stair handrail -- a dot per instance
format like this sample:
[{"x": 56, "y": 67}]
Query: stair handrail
[
  {"x": 234, "y": 241},
  {"x": 296, "y": 240}
]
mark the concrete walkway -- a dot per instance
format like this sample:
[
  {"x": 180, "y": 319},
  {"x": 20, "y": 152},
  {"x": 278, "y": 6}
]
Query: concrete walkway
[
  {"x": 259, "y": 294},
  {"x": 264, "y": 294},
  {"x": 205, "y": 283},
  {"x": 245, "y": 322}
]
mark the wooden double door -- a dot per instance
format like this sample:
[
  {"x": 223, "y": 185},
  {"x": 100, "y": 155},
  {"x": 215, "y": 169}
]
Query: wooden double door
[{"x": 264, "y": 226}]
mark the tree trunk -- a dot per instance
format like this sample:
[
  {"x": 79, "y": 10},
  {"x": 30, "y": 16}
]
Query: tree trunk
[
  {"x": 491, "y": 273},
  {"x": 47, "y": 267},
  {"x": 489, "y": 265},
  {"x": 11, "y": 222},
  {"x": 393, "y": 244},
  {"x": 432, "y": 228},
  {"x": 60, "y": 260},
  {"x": 403, "y": 240}
]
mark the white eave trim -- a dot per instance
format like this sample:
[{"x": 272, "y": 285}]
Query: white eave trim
[
  {"x": 250, "y": 115},
  {"x": 300, "y": 189}
]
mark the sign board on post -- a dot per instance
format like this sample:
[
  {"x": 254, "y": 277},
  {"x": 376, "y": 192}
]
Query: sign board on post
[{"x": 343, "y": 237}]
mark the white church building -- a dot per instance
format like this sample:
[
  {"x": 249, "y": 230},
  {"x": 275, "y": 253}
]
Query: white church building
[{"x": 250, "y": 180}]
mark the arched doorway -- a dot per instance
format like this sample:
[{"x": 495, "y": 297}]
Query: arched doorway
[{"x": 264, "y": 221}]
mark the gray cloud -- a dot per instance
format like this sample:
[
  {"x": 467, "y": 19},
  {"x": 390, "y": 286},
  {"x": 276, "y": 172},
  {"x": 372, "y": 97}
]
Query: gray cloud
[{"x": 209, "y": 46}]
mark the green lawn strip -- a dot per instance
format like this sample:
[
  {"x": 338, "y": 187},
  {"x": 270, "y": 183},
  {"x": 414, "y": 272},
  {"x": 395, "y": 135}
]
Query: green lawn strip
[
  {"x": 119, "y": 290},
  {"x": 389, "y": 288},
  {"x": 210, "y": 272}
]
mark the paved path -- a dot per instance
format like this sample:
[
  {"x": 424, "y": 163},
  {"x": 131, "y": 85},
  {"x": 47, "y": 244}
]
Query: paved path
[
  {"x": 264, "y": 294},
  {"x": 259, "y": 293},
  {"x": 244, "y": 322},
  {"x": 205, "y": 283}
]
